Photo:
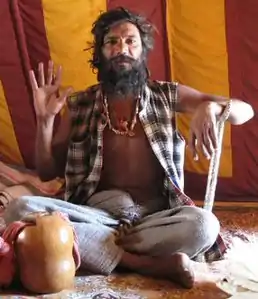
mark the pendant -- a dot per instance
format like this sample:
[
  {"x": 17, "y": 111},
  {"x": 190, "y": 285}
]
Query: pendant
[
  {"x": 124, "y": 125},
  {"x": 131, "y": 133}
]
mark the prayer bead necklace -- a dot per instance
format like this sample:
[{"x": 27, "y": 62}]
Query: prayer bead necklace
[{"x": 122, "y": 123}]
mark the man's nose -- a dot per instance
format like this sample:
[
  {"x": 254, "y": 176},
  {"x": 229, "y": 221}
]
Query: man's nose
[{"x": 122, "y": 48}]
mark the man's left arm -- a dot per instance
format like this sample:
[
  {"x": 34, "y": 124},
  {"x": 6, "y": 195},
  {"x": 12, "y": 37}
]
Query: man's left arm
[
  {"x": 206, "y": 110},
  {"x": 190, "y": 99}
]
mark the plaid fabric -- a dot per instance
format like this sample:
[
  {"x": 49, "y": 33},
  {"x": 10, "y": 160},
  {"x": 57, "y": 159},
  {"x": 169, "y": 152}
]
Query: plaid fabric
[{"x": 157, "y": 115}]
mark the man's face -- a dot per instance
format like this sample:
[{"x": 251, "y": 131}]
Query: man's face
[
  {"x": 123, "y": 67},
  {"x": 122, "y": 46}
]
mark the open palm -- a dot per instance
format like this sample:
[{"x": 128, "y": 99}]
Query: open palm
[{"x": 47, "y": 100}]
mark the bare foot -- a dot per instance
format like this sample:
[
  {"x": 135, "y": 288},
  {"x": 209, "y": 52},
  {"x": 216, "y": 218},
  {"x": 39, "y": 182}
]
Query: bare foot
[{"x": 178, "y": 268}]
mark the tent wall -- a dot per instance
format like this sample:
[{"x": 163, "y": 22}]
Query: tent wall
[{"x": 209, "y": 45}]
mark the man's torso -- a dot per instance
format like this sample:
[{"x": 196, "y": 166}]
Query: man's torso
[{"x": 129, "y": 163}]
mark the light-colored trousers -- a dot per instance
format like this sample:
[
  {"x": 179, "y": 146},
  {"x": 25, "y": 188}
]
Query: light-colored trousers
[{"x": 187, "y": 229}]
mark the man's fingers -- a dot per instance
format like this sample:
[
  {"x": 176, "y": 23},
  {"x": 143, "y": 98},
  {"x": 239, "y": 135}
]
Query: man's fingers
[
  {"x": 192, "y": 145},
  {"x": 41, "y": 76},
  {"x": 63, "y": 96},
  {"x": 33, "y": 81},
  {"x": 61, "y": 100},
  {"x": 200, "y": 143},
  {"x": 214, "y": 136},
  {"x": 208, "y": 150},
  {"x": 69, "y": 91},
  {"x": 50, "y": 72},
  {"x": 200, "y": 146},
  {"x": 207, "y": 154}
]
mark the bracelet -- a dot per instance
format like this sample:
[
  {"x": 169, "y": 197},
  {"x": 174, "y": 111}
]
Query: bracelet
[{"x": 226, "y": 112}]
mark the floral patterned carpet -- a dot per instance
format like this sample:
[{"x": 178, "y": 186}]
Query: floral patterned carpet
[{"x": 122, "y": 286}]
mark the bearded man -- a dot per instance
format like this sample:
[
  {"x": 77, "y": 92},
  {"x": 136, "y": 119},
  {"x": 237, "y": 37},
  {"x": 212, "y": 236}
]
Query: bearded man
[{"x": 121, "y": 155}]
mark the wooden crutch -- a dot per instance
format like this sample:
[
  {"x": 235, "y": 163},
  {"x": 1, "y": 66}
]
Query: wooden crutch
[{"x": 214, "y": 166}]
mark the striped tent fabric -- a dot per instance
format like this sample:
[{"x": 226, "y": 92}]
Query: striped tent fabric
[{"x": 209, "y": 45}]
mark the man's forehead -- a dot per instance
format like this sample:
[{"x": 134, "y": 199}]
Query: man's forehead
[{"x": 123, "y": 29}]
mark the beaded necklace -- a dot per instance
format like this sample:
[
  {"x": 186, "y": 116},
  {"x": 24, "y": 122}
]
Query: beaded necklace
[{"x": 124, "y": 128}]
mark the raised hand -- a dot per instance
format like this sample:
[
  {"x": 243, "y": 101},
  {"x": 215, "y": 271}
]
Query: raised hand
[{"x": 47, "y": 100}]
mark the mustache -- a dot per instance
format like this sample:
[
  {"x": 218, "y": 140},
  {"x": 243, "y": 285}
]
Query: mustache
[{"x": 122, "y": 58}]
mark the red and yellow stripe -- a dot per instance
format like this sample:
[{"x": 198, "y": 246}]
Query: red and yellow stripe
[
  {"x": 199, "y": 59},
  {"x": 8, "y": 142},
  {"x": 209, "y": 45},
  {"x": 68, "y": 25}
]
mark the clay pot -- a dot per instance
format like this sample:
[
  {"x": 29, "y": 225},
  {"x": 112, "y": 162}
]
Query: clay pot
[{"x": 44, "y": 254}]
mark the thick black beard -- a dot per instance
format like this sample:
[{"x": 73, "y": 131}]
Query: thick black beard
[{"x": 121, "y": 81}]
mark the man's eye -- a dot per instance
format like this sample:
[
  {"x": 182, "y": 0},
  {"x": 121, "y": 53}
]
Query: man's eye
[
  {"x": 130, "y": 41},
  {"x": 111, "y": 42}
]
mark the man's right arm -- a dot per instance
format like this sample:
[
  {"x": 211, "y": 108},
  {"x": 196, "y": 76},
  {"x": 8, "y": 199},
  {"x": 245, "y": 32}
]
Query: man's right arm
[{"x": 51, "y": 150}]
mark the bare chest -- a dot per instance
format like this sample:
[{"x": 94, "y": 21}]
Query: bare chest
[{"x": 129, "y": 163}]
